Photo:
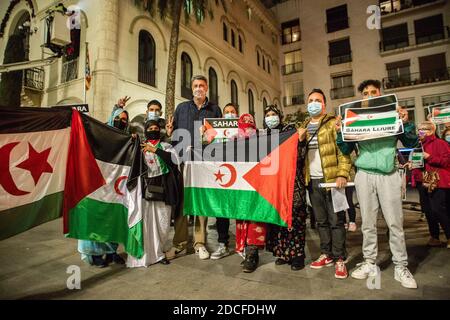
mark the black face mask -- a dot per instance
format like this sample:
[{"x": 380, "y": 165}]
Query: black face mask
[
  {"x": 152, "y": 135},
  {"x": 119, "y": 124}
]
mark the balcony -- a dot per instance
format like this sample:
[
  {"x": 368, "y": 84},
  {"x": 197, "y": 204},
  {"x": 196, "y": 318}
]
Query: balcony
[
  {"x": 344, "y": 92},
  {"x": 34, "y": 79},
  {"x": 332, "y": 60},
  {"x": 412, "y": 39},
  {"x": 69, "y": 70},
  {"x": 336, "y": 25},
  {"x": 292, "y": 68},
  {"x": 147, "y": 74},
  {"x": 294, "y": 100},
  {"x": 417, "y": 78},
  {"x": 394, "y": 6}
]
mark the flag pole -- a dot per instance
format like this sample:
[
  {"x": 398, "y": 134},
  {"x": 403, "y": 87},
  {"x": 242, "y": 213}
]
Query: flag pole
[{"x": 85, "y": 66}]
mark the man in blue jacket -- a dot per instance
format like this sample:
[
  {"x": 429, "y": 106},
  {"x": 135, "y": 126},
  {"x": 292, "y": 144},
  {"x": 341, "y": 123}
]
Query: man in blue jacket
[{"x": 378, "y": 184}]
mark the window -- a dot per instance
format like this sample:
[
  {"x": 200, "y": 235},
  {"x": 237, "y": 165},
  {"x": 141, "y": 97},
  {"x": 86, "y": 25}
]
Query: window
[
  {"x": 429, "y": 29},
  {"x": 291, "y": 31},
  {"x": 241, "y": 48},
  {"x": 225, "y": 32},
  {"x": 342, "y": 86},
  {"x": 398, "y": 73},
  {"x": 213, "y": 88},
  {"x": 258, "y": 58},
  {"x": 264, "y": 103},
  {"x": 69, "y": 69},
  {"x": 395, "y": 37},
  {"x": 337, "y": 18},
  {"x": 433, "y": 68},
  {"x": 186, "y": 76},
  {"x": 340, "y": 51},
  {"x": 147, "y": 55},
  {"x": 264, "y": 62},
  {"x": 292, "y": 62},
  {"x": 251, "y": 103},
  {"x": 268, "y": 66},
  {"x": 234, "y": 93},
  {"x": 294, "y": 93},
  {"x": 410, "y": 105},
  {"x": 233, "y": 39}
]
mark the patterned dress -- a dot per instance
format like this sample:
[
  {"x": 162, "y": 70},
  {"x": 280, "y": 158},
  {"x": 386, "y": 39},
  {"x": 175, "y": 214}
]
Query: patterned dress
[{"x": 290, "y": 243}]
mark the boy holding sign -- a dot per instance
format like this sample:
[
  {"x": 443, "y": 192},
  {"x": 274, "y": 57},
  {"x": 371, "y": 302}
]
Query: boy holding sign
[{"x": 378, "y": 184}]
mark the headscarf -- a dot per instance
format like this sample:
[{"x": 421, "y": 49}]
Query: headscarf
[
  {"x": 150, "y": 123},
  {"x": 115, "y": 114},
  {"x": 245, "y": 129},
  {"x": 275, "y": 109}
]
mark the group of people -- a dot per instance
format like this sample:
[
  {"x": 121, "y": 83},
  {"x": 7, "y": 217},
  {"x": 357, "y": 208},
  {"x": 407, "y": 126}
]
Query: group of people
[{"x": 323, "y": 156}]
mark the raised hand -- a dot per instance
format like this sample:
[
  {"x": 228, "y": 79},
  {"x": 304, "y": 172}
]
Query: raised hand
[{"x": 169, "y": 126}]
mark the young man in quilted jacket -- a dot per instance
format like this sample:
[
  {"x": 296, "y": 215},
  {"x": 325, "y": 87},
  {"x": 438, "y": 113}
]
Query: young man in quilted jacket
[
  {"x": 378, "y": 184},
  {"x": 325, "y": 163}
]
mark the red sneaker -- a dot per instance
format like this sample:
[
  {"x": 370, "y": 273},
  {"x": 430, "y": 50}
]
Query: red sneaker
[
  {"x": 323, "y": 261},
  {"x": 340, "y": 270}
]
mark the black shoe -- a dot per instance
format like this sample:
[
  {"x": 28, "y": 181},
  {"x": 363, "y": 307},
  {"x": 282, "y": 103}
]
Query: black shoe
[
  {"x": 298, "y": 263},
  {"x": 251, "y": 260},
  {"x": 164, "y": 261},
  {"x": 114, "y": 257},
  {"x": 99, "y": 262},
  {"x": 280, "y": 262}
]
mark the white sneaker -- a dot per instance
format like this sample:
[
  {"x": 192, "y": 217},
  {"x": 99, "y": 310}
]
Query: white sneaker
[
  {"x": 203, "y": 254},
  {"x": 364, "y": 270},
  {"x": 221, "y": 252},
  {"x": 405, "y": 277}
]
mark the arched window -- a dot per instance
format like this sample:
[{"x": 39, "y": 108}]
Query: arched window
[
  {"x": 23, "y": 28},
  {"x": 213, "y": 90},
  {"x": 268, "y": 66},
  {"x": 225, "y": 32},
  {"x": 234, "y": 93},
  {"x": 264, "y": 63},
  {"x": 147, "y": 58},
  {"x": 186, "y": 76},
  {"x": 258, "y": 58},
  {"x": 251, "y": 103},
  {"x": 233, "y": 39},
  {"x": 241, "y": 49},
  {"x": 264, "y": 103}
]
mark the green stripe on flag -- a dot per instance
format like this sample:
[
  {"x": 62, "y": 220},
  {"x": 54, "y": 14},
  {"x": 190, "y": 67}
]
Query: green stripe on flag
[
  {"x": 373, "y": 122},
  {"x": 233, "y": 204},
  {"x": 443, "y": 115},
  {"x": 22, "y": 218},
  {"x": 105, "y": 222}
]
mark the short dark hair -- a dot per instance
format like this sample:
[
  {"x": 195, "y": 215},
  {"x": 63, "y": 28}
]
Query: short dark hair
[
  {"x": 370, "y": 82},
  {"x": 230, "y": 104},
  {"x": 154, "y": 102},
  {"x": 198, "y": 77},
  {"x": 317, "y": 90}
]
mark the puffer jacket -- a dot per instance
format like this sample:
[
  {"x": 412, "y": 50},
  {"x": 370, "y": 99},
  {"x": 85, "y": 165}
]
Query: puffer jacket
[{"x": 334, "y": 163}]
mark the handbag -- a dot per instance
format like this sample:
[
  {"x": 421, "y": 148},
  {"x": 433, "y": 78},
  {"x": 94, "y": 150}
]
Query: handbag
[
  {"x": 154, "y": 190},
  {"x": 430, "y": 180}
]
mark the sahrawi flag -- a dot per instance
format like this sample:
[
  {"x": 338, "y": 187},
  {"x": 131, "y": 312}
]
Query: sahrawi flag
[
  {"x": 250, "y": 179},
  {"x": 33, "y": 154},
  {"x": 98, "y": 205},
  {"x": 367, "y": 118}
]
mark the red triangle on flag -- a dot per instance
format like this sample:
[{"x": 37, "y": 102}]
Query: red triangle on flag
[
  {"x": 351, "y": 114},
  {"x": 83, "y": 176},
  {"x": 210, "y": 132},
  {"x": 277, "y": 184}
]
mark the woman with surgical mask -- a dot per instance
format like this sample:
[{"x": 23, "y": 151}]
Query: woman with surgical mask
[
  {"x": 288, "y": 244},
  {"x": 435, "y": 202},
  {"x": 157, "y": 195},
  {"x": 446, "y": 135}
]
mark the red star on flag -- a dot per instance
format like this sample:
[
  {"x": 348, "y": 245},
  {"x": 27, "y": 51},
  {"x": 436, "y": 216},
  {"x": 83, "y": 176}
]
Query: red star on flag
[
  {"x": 219, "y": 175},
  {"x": 37, "y": 163}
]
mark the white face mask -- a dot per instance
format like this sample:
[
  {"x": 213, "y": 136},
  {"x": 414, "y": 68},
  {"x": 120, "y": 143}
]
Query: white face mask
[
  {"x": 272, "y": 121},
  {"x": 153, "y": 115},
  {"x": 230, "y": 116}
]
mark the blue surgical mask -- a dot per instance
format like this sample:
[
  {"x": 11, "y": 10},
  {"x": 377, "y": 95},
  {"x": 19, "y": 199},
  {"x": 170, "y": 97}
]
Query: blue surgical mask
[
  {"x": 314, "y": 108},
  {"x": 272, "y": 121},
  {"x": 231, "y": 116},
  {"x": 153, "y": 115},
  {"x": 447, "y": 138}
]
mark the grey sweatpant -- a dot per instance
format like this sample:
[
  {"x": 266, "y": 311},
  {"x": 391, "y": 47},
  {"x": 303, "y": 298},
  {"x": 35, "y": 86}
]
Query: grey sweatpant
[{"x": 373, "y": 191}]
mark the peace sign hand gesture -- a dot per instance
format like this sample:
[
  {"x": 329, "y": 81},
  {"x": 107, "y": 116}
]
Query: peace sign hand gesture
[{"x": 169, "y": 126}]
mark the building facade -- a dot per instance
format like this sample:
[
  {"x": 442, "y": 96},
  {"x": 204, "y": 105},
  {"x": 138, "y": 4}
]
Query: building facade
[{"x": 237, "y": 51}]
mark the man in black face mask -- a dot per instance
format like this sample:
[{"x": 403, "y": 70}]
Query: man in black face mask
[{"x": 119, "y": 119}]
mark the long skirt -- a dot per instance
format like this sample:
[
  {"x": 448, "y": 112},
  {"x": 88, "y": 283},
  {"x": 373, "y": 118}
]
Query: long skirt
[
  {"x": 156, "y": 228},
  {"x": 249, "y": 233}
]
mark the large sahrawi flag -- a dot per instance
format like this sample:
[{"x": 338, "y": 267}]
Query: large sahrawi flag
[
  {"x": 251, "y": 179},
  {"x": 33, "y": 154},
  {"x": 98, "y": 205}
]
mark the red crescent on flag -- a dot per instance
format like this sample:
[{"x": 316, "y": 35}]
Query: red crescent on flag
[
  {"x": 6, "y": 180},
  {"x": 116, "y": 185},
  {"x": 233, "y": 175}
]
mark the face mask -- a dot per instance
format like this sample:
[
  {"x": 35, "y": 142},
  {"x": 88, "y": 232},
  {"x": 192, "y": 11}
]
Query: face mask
[
  {"x": 230, "y": 116},
  {"x": 119, "y": 124},
  {"x": 422, "y": 133},
  {"x": 314, "y": 108},
  {"x": 272, "y": 121},
  {"x": 447, "y": 138},
  {"x": 153, "y": 135},
  {"x": 199, "y": 93},
  {"x": 153, "y": 115}
]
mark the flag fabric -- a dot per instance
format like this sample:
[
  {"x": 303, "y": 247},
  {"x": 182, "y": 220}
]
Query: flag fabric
[
  {"x": 33, "y": 154},
  {"x": 251, "y": 179},
  {"x": 440, "y": 113},
  {"x": 87, "y": 73},
  {"x": 102, "y": 189},
  {"x": 354, "y": 119}
]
